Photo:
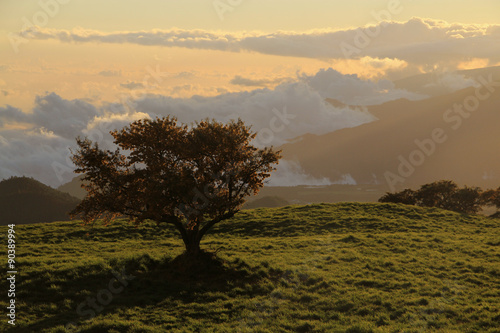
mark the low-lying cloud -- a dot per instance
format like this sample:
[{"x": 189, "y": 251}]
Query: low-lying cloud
[
  {"x": 290, "y": 173},
  {"x": 36, "y": 143},
  {"x": 452, "y": 82}
]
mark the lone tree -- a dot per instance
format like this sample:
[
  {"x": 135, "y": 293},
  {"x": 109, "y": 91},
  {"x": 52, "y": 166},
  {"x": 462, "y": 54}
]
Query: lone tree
[{"x": 189, "y": 177}]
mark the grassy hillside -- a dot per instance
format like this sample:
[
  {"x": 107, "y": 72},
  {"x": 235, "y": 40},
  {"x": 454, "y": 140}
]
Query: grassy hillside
[{"x": 345, "y": 267}]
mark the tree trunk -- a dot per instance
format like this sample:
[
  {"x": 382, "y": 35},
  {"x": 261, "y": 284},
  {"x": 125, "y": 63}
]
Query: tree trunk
[
  {"x": 192, "y": 247},
  {"x": 192, "y": 241}
]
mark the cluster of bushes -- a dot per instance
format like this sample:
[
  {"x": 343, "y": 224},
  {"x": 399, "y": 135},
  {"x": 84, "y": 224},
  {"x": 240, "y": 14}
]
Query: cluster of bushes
[{"x": 448, "y": 195}]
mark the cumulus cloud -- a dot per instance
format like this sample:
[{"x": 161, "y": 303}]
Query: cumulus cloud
[
  {"x": 131, "y": 85},
  {"x": 185, "y": 75},
  {"x": 37, "y": 153},
  {"x": 290, "y": 173},
  {"x": 452, "y": 82},
  {"x": 350, "y": 89},
  {"x": 285, "y": 112},
  {"x": 11, "y": 114},
  {"x": 420, "y": 41},
  {"x": 39, "y": 147},
  {"x": 383, "y": 64},
  {"x": 110, "y": 73},
  {"x": 63, "y": 117},
  {"x": 248, "y": 82},
  {"x": 493, "y": 30}
]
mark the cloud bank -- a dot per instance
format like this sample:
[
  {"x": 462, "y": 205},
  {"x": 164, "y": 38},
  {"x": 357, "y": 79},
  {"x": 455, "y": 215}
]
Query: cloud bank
[
  {"x": 248, "y": 82},
  {"x": 418, "y": 41},
  {"x": 36, "y": 143}
]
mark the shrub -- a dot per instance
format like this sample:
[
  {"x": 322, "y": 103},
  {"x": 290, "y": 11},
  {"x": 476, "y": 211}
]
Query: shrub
[{"x": 445, "y": 194}]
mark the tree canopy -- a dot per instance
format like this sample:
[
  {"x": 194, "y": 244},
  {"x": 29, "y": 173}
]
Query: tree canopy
[{"x": 191, "y": 177}]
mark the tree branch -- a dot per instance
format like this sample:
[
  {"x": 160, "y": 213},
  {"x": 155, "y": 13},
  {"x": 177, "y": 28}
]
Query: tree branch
[
  {"x": 172, "y": 219},
  {"x": 210, "y": 224}
]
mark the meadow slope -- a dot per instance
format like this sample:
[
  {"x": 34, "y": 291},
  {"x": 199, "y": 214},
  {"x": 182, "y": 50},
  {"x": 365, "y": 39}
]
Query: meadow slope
[{"x": 345, "y": 267}]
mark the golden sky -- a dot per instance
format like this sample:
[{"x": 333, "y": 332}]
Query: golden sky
[{"x": 104, "y": 71}]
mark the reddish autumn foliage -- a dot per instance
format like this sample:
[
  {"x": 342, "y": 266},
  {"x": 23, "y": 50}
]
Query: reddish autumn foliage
[{"x": 189, "y": 177}]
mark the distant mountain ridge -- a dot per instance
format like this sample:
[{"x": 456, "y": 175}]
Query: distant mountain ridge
[
  {"x": 26, "y": 200},
  {"x": 74, "y": 187},
  {"x": 369, "y": 152},
  {"x": 437, "y": 84}
]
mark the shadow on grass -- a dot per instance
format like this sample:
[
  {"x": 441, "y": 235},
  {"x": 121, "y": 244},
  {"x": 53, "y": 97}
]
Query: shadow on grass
[
  {"x": 122, "y": 230},
  {"x": 142, "y": 282}
]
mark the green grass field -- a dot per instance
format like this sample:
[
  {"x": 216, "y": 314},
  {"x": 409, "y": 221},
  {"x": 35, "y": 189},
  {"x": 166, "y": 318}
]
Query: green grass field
[{"x": 344, "y": 267}]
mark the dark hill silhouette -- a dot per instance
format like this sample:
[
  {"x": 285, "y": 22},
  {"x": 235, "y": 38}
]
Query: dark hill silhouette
[{"x": 26, "y": 200}]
